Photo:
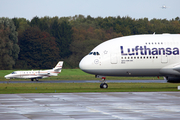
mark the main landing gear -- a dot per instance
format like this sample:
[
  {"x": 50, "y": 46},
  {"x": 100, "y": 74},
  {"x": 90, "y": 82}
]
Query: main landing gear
[
  {"x": 32, "y": 79},
  {"x": 103, "y": 81}
]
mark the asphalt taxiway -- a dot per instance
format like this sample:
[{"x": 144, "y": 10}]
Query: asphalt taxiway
[
  {"x": 85, "y": 81},
  {"x": 91, "y": 106}
]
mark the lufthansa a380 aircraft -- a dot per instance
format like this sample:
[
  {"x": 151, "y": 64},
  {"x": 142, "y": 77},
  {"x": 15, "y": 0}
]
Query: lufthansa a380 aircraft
[
  {"x": 38, "y": 74},
  {"x": 136, "y": 55}
]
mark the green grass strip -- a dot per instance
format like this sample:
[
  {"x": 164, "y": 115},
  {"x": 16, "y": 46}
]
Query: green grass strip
[{"x": 13, "y": 88}]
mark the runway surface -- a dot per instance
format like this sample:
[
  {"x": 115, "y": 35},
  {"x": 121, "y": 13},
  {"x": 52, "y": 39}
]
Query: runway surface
[
  {"x": 86, "y": 81},
  {"x": 91, "y": 106}
]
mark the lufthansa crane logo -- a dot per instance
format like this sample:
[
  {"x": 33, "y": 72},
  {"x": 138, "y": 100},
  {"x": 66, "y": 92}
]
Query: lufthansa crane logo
[{"x": 105, "y": 52}]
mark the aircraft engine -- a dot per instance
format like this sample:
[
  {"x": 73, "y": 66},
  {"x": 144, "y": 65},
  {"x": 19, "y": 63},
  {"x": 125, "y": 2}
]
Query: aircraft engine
[{"x": 171, "y": 79}]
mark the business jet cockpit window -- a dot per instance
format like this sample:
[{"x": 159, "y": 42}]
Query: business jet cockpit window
[
  {"x": 13, "y": 73},
  {"x": 90, "y": 53},
  {"x": 94, "y": 53}
]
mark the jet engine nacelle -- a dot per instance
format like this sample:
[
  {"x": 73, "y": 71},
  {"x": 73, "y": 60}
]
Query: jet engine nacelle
[{"x": 172, "y": 79}]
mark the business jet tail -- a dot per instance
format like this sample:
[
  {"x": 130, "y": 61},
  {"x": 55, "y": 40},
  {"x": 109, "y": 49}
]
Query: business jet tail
[{"x": 58, "y": 67}]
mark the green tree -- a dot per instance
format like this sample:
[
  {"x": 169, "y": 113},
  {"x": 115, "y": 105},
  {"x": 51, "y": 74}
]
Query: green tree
[
  {"x": 79, "y": 31},
  {"x": 40, "y": 23},
  {"x": 45, "y": 24},
  {"x": 9, "y": 48},
  {"x": 35, "y": 22},
  {"x": 21, "y": 24},
  {"x": 63, "y": 34},
  {"x": 38, "y": 49},
  {"x": 16, "y": 23},
  {"x": 79, "y": 50}
]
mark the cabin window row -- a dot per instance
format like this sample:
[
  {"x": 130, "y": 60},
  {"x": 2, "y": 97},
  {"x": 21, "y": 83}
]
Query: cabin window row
[
  {"x": 145, "y": 57},
  {"x": 29, "y": 72},
  {"x": 154, "y": 43},
  {"x": 160, "y": 43}
]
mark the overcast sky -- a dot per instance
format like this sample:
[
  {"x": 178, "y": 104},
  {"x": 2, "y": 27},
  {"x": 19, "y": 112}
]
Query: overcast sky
[{"x": 103, "y": 8}]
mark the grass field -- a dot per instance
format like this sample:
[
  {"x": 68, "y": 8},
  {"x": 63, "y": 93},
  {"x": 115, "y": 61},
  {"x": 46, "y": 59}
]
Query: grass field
[
  {"x": 84, "y": 87},
  {"x": 77, "y": 74}
]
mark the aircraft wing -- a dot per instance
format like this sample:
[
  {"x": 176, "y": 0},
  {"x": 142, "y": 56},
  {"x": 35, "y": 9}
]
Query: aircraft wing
[
  {"x": 171, "y": 70},
  {"x": 33, "y": 77},
  {"x": 177, "y": 68}
]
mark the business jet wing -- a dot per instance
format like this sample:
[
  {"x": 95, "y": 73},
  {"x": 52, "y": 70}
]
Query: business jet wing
[{"x": 34, "y": 77}]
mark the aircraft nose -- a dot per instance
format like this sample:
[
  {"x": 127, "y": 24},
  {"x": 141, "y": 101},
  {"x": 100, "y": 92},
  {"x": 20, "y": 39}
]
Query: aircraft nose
[
  {"x": 6, "y": 76},
  {"x": 86, "y": 64},
  {"x": 83, "y": 65},
  {"x": 89, "y": 64}
]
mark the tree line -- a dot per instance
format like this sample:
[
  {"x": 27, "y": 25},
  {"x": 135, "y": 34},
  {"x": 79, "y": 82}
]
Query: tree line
[{"x": 41, "y": 42}]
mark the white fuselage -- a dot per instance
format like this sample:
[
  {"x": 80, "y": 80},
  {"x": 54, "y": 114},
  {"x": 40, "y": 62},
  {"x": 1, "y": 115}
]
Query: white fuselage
[{"x": 136, "y": 55}]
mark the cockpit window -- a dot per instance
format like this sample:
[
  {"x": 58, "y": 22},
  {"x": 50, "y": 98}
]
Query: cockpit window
[
  {"x": 13, "y": 73},
  {"x": 90, "y": 53},
  {"x": 94, "y": 53}
]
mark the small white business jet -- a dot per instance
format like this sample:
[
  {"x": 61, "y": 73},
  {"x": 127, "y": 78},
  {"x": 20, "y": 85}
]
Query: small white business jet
[
  {"x": 135, "y": 55},
  {"x": 38, "y": 74},
  {"x": 164, "y": 7}
]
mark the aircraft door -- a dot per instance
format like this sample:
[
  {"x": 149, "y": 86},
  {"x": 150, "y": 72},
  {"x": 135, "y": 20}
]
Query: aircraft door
[
  {"x": 164, "y": 58},
  {"x": 114, "y": 59}
]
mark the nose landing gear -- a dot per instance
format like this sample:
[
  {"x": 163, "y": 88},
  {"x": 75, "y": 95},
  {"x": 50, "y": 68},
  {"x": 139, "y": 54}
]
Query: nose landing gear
[{"x": 103, "y": 81}]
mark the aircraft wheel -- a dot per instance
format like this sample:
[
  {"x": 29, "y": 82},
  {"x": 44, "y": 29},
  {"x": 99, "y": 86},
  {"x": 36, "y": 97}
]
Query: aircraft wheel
[
  {"x": 32, "y": 79},
  {"x": 103, "y": 85},
  {"x": 36, "y": 79}
]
